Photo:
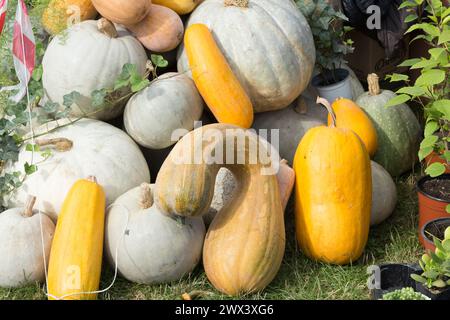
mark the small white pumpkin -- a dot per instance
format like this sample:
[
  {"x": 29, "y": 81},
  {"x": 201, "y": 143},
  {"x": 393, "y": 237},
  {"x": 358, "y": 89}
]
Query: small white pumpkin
[
  {"x": 88, "y": 57},
  {"x": 86, "y": 147},
  {"x": 384, "y": 194},
  {"x": 171, "y": 102},
  {"x": 268, "y": 44},
  {"x": 22, "y": 260},
  {"x": 151, "y": 247},
  {"x": 292, "y": 123}
]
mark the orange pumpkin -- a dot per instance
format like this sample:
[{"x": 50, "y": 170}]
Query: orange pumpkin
[{"x": 350, "y": 115}]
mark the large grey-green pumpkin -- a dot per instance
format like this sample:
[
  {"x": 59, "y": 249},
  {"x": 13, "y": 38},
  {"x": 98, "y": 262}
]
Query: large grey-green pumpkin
[
  {"x": 398, "y": 129},
  {"x": 268, "y": 44},
  {"x": 292, "y": 123}
]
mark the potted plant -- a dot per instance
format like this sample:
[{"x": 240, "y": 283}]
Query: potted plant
[
  {"x": 404, "y": 294},
  {"x": 435, "y": 229},
  {"x": 434, "y": 282},
  {"x": 431, "y": 90},
  {"x": 333, "y": 80}
]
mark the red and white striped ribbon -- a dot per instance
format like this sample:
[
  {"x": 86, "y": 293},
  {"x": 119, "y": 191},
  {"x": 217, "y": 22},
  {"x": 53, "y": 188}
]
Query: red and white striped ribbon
[
  {"x": 24, "y": 50},
  {"x": 3, "y": 7}
]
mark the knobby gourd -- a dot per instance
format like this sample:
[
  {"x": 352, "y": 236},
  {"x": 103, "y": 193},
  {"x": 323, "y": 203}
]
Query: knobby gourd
[
  {"x": 86, "y": 147},
  {"x": 76, "y": 256},
  {"x": 21, "y": 252},
  {"x": 399, "y": 131},
  {"x": 125, "y": 12},
  {"x": 179, "y": 6},
  {"x": 89, "y": 57},
  {"x": 59, "y": 14},
  {"x": 268, "y": 44},
  {"x": 171, "y": 102},
  {"x": 350, "y": 115},
  {"x": 245, "y": 243},
  {"x": 215, "y": 80},
  {"x": 384, "y": 194},
  {"x": 151, "y": 247},
  {"x": 333, "y": 194},
  {"x": 160, "y": 31}
]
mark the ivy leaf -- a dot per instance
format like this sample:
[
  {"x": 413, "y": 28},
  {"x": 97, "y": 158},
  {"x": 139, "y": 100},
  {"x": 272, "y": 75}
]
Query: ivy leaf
[
  {"x": 98, "y": 97},
  {"x": 71, "y": 99},
  {"x": 159, "y": 61},
  {"x": 30, "y": 168},
  {"x": 435, "y": 169},
  {"x": 50, "y": 107},
  {"x": 402, "y": 98},
  {"x": 37, "y": 73},
  {"x": 139, "y": 84},
  {"x": 32, "y": 147}
]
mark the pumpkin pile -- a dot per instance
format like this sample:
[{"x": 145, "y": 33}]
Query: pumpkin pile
[{"x": 240, "y": 64}]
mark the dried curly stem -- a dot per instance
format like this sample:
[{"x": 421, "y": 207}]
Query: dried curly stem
[
  {"x": 60, "y": 144},
  {"x": 146, "y": 200}
]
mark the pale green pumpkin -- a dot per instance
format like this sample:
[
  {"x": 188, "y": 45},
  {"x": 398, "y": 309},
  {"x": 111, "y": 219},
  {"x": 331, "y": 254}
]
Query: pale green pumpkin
[{"x": 398, "y": 129}]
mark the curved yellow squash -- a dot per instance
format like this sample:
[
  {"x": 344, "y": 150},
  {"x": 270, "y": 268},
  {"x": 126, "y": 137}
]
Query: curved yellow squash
[
  {"x": 179, "y": 6},
  {"x": 76, "y": 254},
  {"x": 333, "y": 195},
  {"x": 59, "y": 12},
  {"x": 215, "y": 80},
  {"x": 245, "y": 242}
]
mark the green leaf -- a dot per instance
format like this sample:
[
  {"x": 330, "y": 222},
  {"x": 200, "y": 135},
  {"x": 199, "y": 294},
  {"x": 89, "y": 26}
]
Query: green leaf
[
  {"x": 431, "y": 127},
  {"x": 430, "y": 78},
  {"x": 409, "y": 62},
  {"x": 37, "y": 73},
  {"x": 397, "y": 77},
  {"x": 137, "y": 86},
  {"x": 425, "y": 64},
  {"x": 30, "y": 168},
  {"x": 71, "y": 99},
  {"x": 429, "y": 141},
  {"x": 412, "y": 91},
  {"x": 32, "y": 147},
  {"x": 159, "y": 61},
  {"x": 411, "y": 17},
  {"x": 443, "y": 106},
  {"x": 435, "y": 169},
  {"x": 50, "y": 107},
  {"x": 433, "y": 31},
  {"x": 439, "y": 283},
  {"x": 418, "y": 278},
  {"x": 425, "y": 152},
  {"x": 98, "y": 97},
  {"x": 447, "y": 208},
  {"x": 407, "y": 4},
  {"x": 446, "y": 245},
  {"x": 444, "y": 37},
  {"x": 436, "y": 52},
  {"x": 402, "y": 98}
]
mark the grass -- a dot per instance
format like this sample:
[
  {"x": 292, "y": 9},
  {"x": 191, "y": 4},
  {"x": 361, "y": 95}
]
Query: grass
[{"x": 299, "y": 278}]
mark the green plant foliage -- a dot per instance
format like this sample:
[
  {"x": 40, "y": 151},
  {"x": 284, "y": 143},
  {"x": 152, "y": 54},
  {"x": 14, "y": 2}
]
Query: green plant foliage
[
  {"x": 329, "y": 35},
  {"x": 431, "y": 89},
  {"x": 436, "y": 265},
  {"x": 404, "y": 294}
]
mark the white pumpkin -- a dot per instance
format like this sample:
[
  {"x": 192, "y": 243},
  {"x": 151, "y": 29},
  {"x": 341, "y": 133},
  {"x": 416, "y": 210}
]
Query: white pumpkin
[
  {"x": 87, "y": 57},
  {"x": 151, "y": 247},
  {"x": 21, "y": 252},
  {"x": 268, "y": 44},
  {"x": 384, "y": 194},
  {"x": 171, "y": 102},
  {"x": 87, "y": 147},
  {"x": 292, "y": 123}
]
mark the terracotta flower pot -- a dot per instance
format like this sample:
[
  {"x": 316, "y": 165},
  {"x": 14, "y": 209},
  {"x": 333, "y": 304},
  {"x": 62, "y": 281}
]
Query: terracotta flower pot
[
  {"x": 430, "y": 207},
  {"x": 435, "y": 227}
]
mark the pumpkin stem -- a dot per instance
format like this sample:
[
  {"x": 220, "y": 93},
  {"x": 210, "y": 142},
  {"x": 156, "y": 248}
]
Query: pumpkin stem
[
  {"x": 60, "y": 144},
  {"x": 284, "y": 161},
  {"x": 28, "y": 212},
  {"x": 327, "y": 105},
  {"x": 92, "y": 179},
  {"x": 374, "y": 85},
  {"x": 107, "y": 27},
  {"x": 237, "y": 3},
  {"x": 146, "y": 200}
]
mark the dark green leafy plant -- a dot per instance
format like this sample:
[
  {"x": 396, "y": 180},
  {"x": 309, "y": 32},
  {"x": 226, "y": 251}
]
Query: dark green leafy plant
[
  {"x": 404, "y": 294},
  {"x": 431, "y": 89},
  {"x": 436, "y": 265},
  {"x": 329, "y": 36}
]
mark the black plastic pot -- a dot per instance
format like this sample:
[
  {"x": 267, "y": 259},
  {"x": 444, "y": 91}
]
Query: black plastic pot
[
  {"x": 433, "y": 294},
  {"x": 395, "y": 276},
  {"x": 433, "y": 225}
]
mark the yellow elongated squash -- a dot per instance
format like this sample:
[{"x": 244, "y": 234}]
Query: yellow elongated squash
[
  {"x": 179, "y": 6},
  {"x": 76, "y": 254},
  {"x": 333, "y": 194},
  {"x": 215, "y": 80}
]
